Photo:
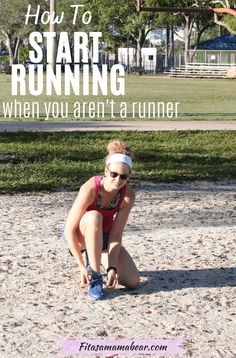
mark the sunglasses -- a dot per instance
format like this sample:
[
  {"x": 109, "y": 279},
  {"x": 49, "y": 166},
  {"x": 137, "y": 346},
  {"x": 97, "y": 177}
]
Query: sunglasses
[{"x": 115, "y": 174}]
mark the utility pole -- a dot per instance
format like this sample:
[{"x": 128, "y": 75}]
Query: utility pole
[{"x": 53, "y": 28}]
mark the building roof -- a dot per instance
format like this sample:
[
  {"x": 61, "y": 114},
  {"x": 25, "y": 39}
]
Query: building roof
[{"x": 226, "y": 42}]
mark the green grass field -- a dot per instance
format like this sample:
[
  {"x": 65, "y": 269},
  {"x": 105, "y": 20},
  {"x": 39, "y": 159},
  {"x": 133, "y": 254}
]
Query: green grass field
[
  {"x": 52, "y": 161},
  {"x": 200, "y": 99}
]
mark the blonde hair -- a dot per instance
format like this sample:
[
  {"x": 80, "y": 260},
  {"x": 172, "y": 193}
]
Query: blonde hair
[{"x": 118, "y": 147}]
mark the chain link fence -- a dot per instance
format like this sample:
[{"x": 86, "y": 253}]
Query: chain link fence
[
  {"x": 4, "y": 63},
  {"x": 213, "y": 56}
]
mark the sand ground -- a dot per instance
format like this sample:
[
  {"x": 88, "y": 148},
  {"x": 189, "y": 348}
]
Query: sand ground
[{"x": 182, "y": 238}]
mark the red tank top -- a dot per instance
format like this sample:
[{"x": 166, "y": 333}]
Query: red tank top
[{"x": 108, "y": 214}]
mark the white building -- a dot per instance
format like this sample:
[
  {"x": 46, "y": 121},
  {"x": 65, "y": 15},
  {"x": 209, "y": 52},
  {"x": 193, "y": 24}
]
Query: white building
[{"x": 149, "y": 58}]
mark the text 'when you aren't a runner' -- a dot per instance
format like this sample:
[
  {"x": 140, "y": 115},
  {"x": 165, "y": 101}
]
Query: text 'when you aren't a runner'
[{"x": 90, "y": 109}]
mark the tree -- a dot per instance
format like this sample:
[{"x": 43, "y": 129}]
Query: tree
[
  {"x": 120, "y": 22},
  {"x": 227, "y": 21},
  {"x": 194, "y": 23},
  {"x": 197, "y": 23},
  {"x": 66, "y": 6},
  {"x": 12, "y": 24}
]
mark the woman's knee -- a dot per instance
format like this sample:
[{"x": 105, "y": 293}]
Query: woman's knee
[
  {"x": 133, "y": 282},
  {"x": 91, "y": 219},
  {"x": 130, "y": 282}
]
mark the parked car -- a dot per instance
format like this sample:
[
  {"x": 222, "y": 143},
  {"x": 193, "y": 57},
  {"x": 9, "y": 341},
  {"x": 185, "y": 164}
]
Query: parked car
[{"x": 4, "y": 53}]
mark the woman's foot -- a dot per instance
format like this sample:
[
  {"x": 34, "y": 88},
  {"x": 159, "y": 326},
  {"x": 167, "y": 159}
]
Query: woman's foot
[{"x": 95, "y": 289}]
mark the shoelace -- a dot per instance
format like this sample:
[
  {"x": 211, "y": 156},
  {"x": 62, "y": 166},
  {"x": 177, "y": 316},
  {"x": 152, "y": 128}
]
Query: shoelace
[{"x": 96, "y": 281}]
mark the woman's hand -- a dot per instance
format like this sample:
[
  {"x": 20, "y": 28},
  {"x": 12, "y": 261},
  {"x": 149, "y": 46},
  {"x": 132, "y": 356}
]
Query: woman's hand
[
  {"x": 84, "y": 276},
  {"x": 112, "y": 278}
]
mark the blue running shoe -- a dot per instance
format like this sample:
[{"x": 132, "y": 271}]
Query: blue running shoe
[{"x": 95, "y": 289}]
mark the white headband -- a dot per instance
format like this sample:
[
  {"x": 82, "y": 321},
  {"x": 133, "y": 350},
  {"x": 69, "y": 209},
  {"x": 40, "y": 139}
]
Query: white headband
[{"x": 123, "y": 158}]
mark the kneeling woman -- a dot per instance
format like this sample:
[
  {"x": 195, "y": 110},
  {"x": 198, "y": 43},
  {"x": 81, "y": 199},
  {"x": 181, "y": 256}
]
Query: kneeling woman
[{"x": 96, "y": 222}]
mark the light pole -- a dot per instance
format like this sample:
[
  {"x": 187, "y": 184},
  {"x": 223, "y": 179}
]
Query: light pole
[{"x": 53, "y": 28}]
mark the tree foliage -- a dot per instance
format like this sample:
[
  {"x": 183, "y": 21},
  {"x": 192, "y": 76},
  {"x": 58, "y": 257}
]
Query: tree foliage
[
  {"x": 12, "y": 23},
  {"x": 224, "y": 20},
  {"x": 117, "y": 20},
  {"x": 122, "y": 25}
]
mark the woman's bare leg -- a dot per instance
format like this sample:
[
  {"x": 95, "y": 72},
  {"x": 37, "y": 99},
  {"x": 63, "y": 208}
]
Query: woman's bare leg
[
  {"x": 91, "y": 229},
  {"x": 128, "y": 274}
]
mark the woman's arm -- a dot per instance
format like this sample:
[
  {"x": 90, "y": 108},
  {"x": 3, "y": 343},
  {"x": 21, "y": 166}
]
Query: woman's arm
[
  {"x": 115, "y": 237},
  {"x": 84, "y": 199}
]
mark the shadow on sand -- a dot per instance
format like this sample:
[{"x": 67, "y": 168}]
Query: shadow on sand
[{"x": 171, "y": 280}]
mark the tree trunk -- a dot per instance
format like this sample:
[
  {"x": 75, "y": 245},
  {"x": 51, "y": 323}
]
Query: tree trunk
[
  {"x": 13, "y": 49},
  {"x": 167, "y": 48},
  {"x": 186, "y": 40},
  {"x": 138, "y": 54},
  {"x": 16, "y": 49},
  {"x": 188, "y": 31},
  {"x": 199, "y": 35},
  {"x": 8, "y": 43},
  {"x": 139, "y": 49},
  {"x": 171, "y": 53}
]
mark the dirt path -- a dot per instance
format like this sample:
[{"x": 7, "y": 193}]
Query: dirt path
[
  {"x": 54, "y": 126},
  {"x": 182, "y": 238}
]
